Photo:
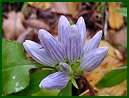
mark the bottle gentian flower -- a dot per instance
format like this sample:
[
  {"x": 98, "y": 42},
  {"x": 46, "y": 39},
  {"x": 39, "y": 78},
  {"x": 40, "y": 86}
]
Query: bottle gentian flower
[{"x": 69, "y": 54}]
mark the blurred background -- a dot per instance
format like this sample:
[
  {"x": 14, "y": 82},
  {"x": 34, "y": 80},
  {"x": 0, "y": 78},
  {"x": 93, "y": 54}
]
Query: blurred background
[{"x": 22, "y": 20}]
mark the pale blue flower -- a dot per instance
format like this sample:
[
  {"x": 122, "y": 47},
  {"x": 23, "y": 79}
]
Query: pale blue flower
[
  {"x": 56, "y": 80},
  {"x": 68, "y": 53}
]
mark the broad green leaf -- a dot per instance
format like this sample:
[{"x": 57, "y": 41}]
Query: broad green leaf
[
  {"x": 67, "y": 91},
  {"x": 74, "y": 83},
  {"x": 46, "y": 93},
  {"x": 35, "y": 79},
  {"x": 15, "y": 67},
  {"x": 113, "y": 78},
  {"x": 122, "y": 11}
]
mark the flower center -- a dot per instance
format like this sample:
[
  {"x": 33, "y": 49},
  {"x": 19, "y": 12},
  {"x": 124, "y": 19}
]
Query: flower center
[
  {"x": 71, "y": 68},
  {"x": 75, "y": 68}
]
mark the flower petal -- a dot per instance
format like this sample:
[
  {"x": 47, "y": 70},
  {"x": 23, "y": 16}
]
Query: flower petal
[
  {"x": 94, "y": 58},
  {"x": 65, "y": 67},
  {"x": 93, "y": 43},
  {"x": 81, "y": 28},
  {"x": 51, "y": 45},
  {"x": 57, "y": 80},
  {"x": 63, "y": 26},
  {"x": 38, "y": 53},
  {"x": 73, "y": 44}
]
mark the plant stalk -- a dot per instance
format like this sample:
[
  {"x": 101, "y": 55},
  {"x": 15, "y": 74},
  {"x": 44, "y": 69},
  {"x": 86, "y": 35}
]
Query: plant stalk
[{"x": 90, "y": 88}]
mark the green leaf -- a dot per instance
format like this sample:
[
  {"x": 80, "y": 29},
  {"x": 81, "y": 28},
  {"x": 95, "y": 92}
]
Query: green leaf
[
  {"x": 15, "y": 67},
  {"x": 46, "y": 93},
  {"x": 67, "y": 91},
  {"x": 35, "y": 79},
  {"x": 74, "y": 83},
  {"x": 122, "y": 11},
  {"x": 113, "y": 78}
]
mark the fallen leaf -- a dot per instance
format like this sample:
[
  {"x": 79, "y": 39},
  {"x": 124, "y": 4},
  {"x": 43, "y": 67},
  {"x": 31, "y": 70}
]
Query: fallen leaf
[
  {"x": 22, "y": 37},
  {"x": 66, "y": 8},
  {"x": 35, "y": 23},
  {"x": 115, "y": 19},
  {"x": 60, "y": 7},
  {"x": 73, "y": 8},
  {"x": 54, "y": 28},
  {"x": 118, "y": 38},
  {"x": 40, "y": 5},
  {"x": 13, "y": 26}
]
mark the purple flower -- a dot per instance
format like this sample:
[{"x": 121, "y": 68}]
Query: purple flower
[
  {"x": 56, "y": 80},
  {"x": 68, "y": 52}
]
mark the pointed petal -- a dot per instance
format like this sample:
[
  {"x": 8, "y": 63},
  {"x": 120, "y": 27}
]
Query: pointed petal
[
  {"x": 38, "y": 53},
  {"x": 93, "y": 43},
  {"x": 94, "y": 58},
  {"x": 73, "y": 44},
  {"x": 63, "y": 26},
  {"x": 51, "y": 45},
  {"x": 65, "y": 67},
  {"x": 81, "y": 28},
  {"x": 57, "y": 80}
]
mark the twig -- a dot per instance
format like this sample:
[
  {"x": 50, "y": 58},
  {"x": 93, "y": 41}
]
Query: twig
[
  {"x": 107, "y": 69},
  {"x": 106, "y": 21},
  {"x": 84, "y": 93},
  {"x": 89, "y": 87}
]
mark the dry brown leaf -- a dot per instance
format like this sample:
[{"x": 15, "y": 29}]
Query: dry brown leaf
[
  {"x": 22, "y": 37},
  {"x": 35, "y": 23},
  {"x": 40, "y": 5},
  {"x": 60, "y": 7},
  {"x": 67, "y": 8},
  {"x": 73, "y": 8},
  {"x": 54, "y": 28},
  {"x": 13, "y": 26},
  {"x": 115, "y": 19},
  {"x": 118, "y": 38}
]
